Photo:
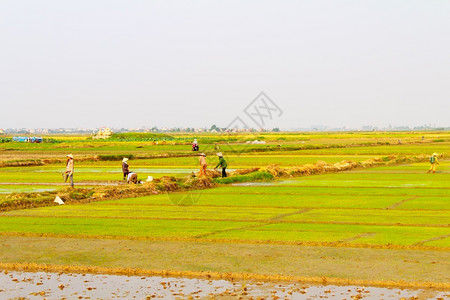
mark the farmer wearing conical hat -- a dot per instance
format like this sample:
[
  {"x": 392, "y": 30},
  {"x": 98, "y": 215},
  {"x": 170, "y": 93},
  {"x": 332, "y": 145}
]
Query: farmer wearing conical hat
[
  {"x": 69, "y": 169},
  {"x": 433, "y": 162},
  {"x": 202, "y": 160},
  {"x": 125, "y": 168},
  {"x": 195, "y": 146},
  {"x": 222, "y": 163}
]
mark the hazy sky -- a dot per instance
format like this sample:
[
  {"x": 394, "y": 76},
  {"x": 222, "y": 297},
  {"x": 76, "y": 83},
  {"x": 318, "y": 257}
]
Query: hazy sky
[{"x": 198, "y": 63}]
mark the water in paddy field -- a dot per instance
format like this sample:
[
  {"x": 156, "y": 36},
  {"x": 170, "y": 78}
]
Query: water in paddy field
[
  {"x": 9, "y": 190},
  {"x": 119, "y": 171},
  {"x": 28, "y": 285}
]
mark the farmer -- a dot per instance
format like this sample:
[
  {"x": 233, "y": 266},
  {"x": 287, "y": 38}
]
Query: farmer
[
  {"x": 132, "y": 177},
  {"x": 222, "y": 163},
  {"x": 202, "y": 160},
  {"x": 433, "y": 162},
  {"x": 69, "y": 169},
  {"x": 125, "y": 168},
  {"x": 195, "y": 145}
]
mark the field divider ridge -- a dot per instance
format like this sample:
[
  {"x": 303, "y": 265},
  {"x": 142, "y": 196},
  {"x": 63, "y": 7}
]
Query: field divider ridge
[
  {"x": 395, "y": 205},
  {"x": 438, "y": 238}
]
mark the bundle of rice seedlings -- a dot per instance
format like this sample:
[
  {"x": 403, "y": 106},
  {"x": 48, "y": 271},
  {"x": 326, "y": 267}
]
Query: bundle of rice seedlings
[
  {"x": 213, "y": 173},
  {"x": 198, "y": 183},
  {"x": 275, "y": 171},
  {"x": 243, "y": 171},
  {"x": 345, "y": 165},
  {"x": 331, "y": 168},
  {"x": 309, "y": 169},
  {"x": 168, "y": 184}
]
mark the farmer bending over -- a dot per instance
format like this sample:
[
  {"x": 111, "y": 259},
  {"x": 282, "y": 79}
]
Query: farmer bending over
[
  {"x": 222, "y": 163},
  {"x": 132, "y": 178}
]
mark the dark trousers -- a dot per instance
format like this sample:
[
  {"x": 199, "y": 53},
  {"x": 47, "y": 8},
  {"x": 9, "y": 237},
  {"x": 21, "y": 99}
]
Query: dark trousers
[{"x": 224, "y": 172}]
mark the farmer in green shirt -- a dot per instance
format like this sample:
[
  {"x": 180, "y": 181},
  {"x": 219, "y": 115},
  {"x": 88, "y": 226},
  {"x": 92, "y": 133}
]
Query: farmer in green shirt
[
  {"x": 433, "y": 162},
  {"x": 222, "y": 163}
]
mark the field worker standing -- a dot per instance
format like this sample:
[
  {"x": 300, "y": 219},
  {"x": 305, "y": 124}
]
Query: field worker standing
[
  {"x": 69, "y": 169},
  {"x": 125, "y": 168},
  {"x": 202, "y": 160},
  {"x": 433, "y": 162},
  {"x": 222, "y": 163}
]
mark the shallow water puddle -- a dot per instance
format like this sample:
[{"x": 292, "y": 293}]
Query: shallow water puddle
[
  {"x": 118, "y": 170},
  {"x": 27, "y": 189},
  {"x": 39, "y": 285}
]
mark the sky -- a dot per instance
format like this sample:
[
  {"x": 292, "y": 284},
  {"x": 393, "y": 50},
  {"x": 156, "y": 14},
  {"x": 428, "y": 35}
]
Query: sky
[{"x": 71, "y": 64}]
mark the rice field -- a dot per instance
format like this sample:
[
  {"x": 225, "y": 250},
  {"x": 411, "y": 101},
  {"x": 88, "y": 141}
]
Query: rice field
[
  {"x": 329, "y": 225},
  {"x": 335, "y": 208}
]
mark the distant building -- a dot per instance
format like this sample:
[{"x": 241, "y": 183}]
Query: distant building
[
  {"x": 103, "y": 133},
  {"x": 27, "y": 139}
]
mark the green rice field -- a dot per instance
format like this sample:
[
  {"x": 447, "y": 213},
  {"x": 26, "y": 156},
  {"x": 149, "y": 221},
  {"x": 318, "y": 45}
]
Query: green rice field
[
  {"x": 387, "y": 211},
  {"x": 351, "y": 207}
]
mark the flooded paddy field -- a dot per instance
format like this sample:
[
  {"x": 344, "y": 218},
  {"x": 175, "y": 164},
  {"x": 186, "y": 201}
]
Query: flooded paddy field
[
  {"x": 25, "y": 188},
  {"x": 383, "y": 225},
  {"x": 52, "y": 174},
  {"x": 39, "y": 285}
]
